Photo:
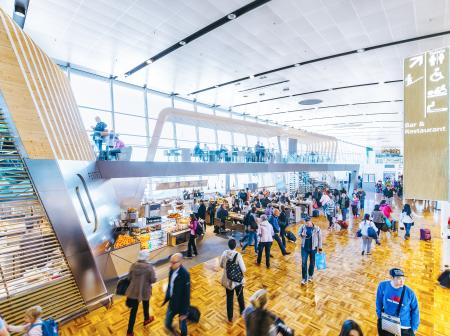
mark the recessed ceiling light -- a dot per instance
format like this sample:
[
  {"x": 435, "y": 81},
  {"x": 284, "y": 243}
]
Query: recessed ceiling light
[
  {"x": 231, "y": 16},
  {"x": 251, "y": 76},
  {"x": 262, "y": 94},
  {"x": 245, "y": 96},
  {"x": 310, "y": 101},
  {"x": 149, "y": 61},
  {"x": 216, "y": 86},
  {"x": 297, "y": 64},
  {"x": 330, "y": 89},
  {"x": 286, "y": 89},
  {"x": 361, "y": 50},
  {"x": 182, "y": 43}
]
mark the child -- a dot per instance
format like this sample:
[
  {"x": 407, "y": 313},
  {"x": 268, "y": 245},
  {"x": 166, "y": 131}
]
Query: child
[{"x": 33, "y": 323}]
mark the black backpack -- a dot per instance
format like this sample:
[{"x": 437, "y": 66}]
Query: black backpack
[
  {"x": 199, "y": 230},
  {"x": 234, "y": 272}
]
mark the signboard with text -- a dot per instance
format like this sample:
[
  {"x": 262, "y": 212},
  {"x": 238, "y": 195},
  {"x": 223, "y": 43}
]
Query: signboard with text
[{"x": 426, "y": 137}]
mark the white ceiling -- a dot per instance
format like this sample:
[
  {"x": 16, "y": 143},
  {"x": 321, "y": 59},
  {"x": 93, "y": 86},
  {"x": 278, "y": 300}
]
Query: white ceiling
[{"x": 113, "y": 36}]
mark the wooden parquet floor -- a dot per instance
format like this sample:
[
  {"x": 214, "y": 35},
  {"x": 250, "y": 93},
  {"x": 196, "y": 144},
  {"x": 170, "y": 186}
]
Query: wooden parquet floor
[{"x": 346, "y": 289}]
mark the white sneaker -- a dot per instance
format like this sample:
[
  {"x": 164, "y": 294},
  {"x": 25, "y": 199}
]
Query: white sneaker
[
  {"x": 310, "y": 279},
  {"x": 303, "y": 282}
]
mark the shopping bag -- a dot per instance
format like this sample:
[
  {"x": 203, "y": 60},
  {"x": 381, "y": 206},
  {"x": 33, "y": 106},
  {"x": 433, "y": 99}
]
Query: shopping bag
[
  {"x": 321, "y": 261},
  {"x": 388, "y": 223}
]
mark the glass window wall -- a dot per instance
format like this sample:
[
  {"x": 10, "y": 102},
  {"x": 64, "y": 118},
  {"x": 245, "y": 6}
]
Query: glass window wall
[{"x": 128, "y": 100}]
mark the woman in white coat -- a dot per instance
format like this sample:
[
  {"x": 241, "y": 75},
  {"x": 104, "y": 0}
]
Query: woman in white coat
[
  {"x": 364, "y": 226},
  {"x": 233, "y": 256}
]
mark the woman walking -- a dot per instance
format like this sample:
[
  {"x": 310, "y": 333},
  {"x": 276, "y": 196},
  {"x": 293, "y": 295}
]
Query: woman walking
[
  {"x": 311, "y": 243},
  {"x": 365, "y": 226},
  {"x": 355, "y": 202},
  {"x": 378, "y": 218},
  {"x": 141, "y": 276},
  {"x": 265, "y": 234},
  {"x": 191, "y": 244},
  {"x": 407, "y": 220},
  {"x": 232, "y": 256}
]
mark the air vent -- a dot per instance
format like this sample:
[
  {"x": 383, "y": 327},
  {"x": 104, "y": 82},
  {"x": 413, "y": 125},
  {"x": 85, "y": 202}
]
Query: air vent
[
  {"x": 286, "y": 89},
  {"x": 261, "y": 94}
]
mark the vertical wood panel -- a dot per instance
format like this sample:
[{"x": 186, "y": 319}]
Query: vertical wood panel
[{"x": 40, "y": 99}]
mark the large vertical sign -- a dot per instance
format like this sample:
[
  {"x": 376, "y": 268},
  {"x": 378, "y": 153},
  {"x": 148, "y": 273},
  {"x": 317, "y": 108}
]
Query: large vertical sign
[{"x": 426, "y": 138}]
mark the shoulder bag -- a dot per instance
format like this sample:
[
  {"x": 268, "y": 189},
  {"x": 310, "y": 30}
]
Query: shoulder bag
[{"x": 391, "y": 323}]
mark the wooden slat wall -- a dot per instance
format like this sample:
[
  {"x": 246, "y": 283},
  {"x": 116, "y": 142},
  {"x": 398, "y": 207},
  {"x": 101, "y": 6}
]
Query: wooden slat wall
[{"x": 39, "y": 99}]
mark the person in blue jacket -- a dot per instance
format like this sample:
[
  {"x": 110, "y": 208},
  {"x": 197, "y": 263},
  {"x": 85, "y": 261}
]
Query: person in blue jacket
[{"x": 388, "y": 298}]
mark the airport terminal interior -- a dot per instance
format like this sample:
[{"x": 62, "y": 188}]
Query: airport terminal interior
[{"x": 224, "y": 167}]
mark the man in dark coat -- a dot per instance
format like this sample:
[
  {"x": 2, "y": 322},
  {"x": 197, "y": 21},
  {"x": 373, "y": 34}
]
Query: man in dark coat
[
  {"x": 201, "y": 212},
  {"x": 178, "y": 294}
]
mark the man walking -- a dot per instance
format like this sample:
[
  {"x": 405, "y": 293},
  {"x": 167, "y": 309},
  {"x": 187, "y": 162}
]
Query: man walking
[
  {"x": 397, "y": 307},
  {"x": 344, "y": 204},
  {"x": 265, "y": 234},
  {"x": 311, "y": 244},
  {"x": 178, "y": 294}
]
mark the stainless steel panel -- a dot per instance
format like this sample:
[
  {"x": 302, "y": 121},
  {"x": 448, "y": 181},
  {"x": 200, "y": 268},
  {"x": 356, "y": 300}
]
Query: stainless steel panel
[{"x": 57, "y": 199}]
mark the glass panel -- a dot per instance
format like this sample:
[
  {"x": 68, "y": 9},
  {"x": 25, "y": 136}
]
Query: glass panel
[
  {"x": 251, "y": 140},
  {"x": 151, "y": 126},
  {"x": 206, "y": 135},
  {"x": 166, "y": 143},
  {"x": 204, "y": 109},
  {"x": 128, "y": 100},
  {"x": 156, "y": 103},
  {"x": 186, "y": 144},
  {"x": 239, "y": 140},
  {"x": 129, "y": 125},
  {"x": 186, "y": 132},
  {"x": 88, "y": 117},
  {"x": 131, "y": 140},
  {"x": 182, "y": 104},
  {"x": 167, "y": 131},
  {"x": 91, "y": 92},
  {"x": 139, "y": 154},
  {"x": 224, "y": 137}
]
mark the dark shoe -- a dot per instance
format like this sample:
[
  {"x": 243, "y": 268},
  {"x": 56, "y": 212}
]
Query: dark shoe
[
  {"x": 271, "y": 256},
  {"x": 150, "y": 320},
  {"x": 258, "y": 264},
  {"x": 362, "y": 253},
  {"x": 130, "y": 334},
  {"x": 287, "y": 253}
]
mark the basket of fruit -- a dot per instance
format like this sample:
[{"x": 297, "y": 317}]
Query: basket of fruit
[{"x": 124, "y": 240}]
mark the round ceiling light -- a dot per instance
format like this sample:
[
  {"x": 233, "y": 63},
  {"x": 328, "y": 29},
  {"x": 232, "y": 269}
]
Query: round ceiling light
[{"x": 310, "y": 101}]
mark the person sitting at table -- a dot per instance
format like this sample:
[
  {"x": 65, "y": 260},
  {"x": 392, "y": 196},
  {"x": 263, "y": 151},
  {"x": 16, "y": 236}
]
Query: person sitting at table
[
  {"x": 117, "y": 148},
  {"x": 234, "y": 153},
  {"x": 205, "y": 152},
  {"x": 265, "y": 201},
  {"x": 248, "y": 155},
  {"x": 222, "y": 214}
]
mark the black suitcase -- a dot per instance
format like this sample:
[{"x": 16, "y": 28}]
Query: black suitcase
[
  {"x": 444, "y": 279},
  {"x": 193, "y": 314},
  {"x": 291, "y": 237}
]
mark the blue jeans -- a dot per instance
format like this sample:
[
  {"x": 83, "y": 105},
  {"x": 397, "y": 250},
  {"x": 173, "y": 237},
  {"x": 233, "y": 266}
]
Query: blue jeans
[
  {"x": 169, "y": 320},
  {"x": 408, "y": 229},
  {"x": 251, "y": 235},
  {"x": 344, "y": 214},
  {"x": 312, "y": 263}
]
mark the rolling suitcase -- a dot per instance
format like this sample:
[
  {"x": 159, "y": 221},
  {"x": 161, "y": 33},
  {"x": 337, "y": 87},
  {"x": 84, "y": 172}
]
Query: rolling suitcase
[
  {"x": 444, "y": 279},
  {"x": 315, "y": 213},
  {"x": 425, "y": 234}
]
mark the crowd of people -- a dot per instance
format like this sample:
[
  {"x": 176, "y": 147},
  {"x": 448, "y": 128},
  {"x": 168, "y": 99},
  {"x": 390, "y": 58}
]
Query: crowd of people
[
  {"x": 396, "y": 304},
  {"x": 257, "y": 154}
]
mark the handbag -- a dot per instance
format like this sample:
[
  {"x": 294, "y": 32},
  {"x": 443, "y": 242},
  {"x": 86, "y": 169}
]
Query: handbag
[
  {"x": 391, "y": 323},
  {"x": 321, "y": 261},
  {"x": 234, "y": 272},
  {"x": 359, "y": 233},
  {"x": 122, "y": 286}
]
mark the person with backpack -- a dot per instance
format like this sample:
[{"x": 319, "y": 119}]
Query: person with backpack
[
  {"x": 344, "y": 204},
  {"x": 311, "y": 244},
  {"x": 378, "y": 218},
  {"x": 233, "y": 277},
  {"x": 406, "y": 220},
  {"x": 397, "y": 306},
  {"x": 265, "y": 234},
  {"x": 368, "y": 230},
  {"x": 141, "y": 276},
  {"x": 251, "y": 227},
  {"x": 193, "y": 233},
  {"x": 34, "y": 325}
]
